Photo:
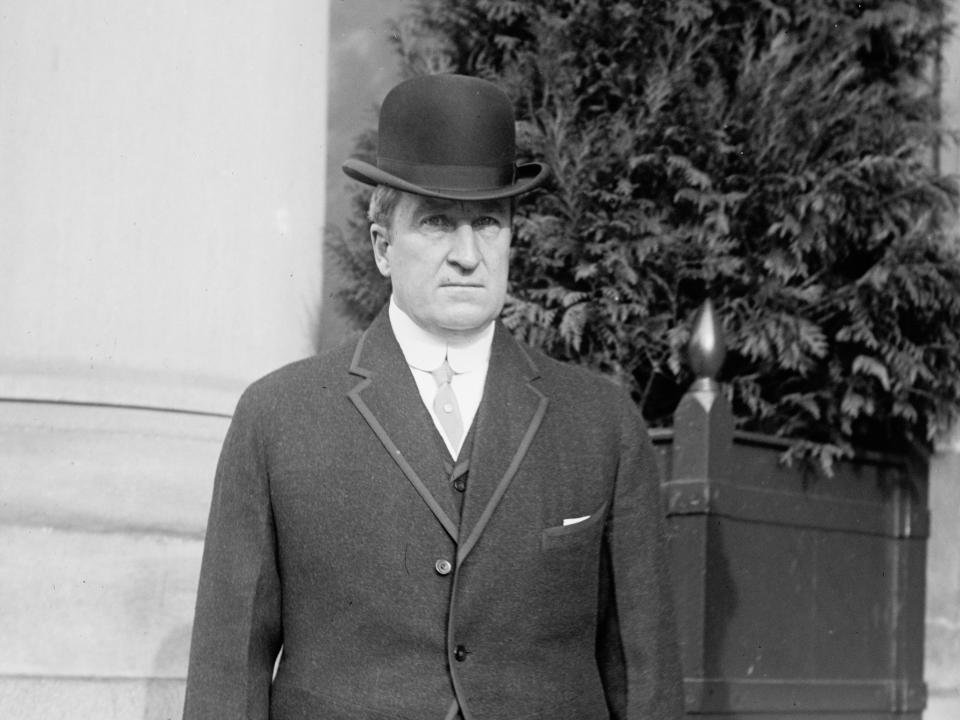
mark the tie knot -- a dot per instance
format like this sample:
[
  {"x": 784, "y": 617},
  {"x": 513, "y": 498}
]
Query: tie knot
[{"x": 443, "y": 374}]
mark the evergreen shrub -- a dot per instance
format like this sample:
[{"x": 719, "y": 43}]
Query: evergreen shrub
[{"x": 776, "y": 157}]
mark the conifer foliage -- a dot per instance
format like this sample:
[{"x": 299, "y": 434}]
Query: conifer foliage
[{"x": 775, "y": 156}]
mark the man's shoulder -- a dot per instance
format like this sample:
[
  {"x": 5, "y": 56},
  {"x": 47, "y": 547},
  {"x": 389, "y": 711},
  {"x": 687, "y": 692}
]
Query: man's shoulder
[
  {"x": 586, "y": 403},
  {"x": 583, "y": 397},
  {"x": 310, "y": 374},
  {"x": 583, "y": 389},
  {"x": 571, "y": 374}
]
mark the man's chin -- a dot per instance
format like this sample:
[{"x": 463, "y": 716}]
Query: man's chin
[{"x": 466, "y": 324}]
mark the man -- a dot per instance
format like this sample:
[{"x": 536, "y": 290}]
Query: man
[{"x": 436, "y": 521}]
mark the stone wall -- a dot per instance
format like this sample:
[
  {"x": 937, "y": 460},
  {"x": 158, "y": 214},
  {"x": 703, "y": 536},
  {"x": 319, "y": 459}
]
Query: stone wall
[
  {"x": 942, "y": 642},
  {"x": 161, "y": 217}
]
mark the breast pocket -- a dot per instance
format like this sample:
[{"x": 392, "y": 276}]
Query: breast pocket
[{"x": 574, "y": 531}]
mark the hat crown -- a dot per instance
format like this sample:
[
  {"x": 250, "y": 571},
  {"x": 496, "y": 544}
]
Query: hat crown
[
  {"x": 447, "y": 120},
  {"x": 448, "y": 136}
]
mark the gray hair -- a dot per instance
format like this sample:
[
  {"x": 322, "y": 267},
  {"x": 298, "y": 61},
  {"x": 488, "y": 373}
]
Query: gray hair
[{"x": 383, "y": 202}]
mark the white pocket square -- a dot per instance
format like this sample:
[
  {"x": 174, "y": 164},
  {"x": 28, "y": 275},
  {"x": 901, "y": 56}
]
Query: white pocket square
[{"x": 574, "y": 521}]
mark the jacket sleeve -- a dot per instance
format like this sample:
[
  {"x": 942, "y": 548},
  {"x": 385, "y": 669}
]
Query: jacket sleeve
[
  {"x": 637, "y": 650},
  {"x": 237, "y": 631}
]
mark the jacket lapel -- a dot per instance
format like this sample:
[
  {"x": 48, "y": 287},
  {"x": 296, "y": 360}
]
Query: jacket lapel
[
  {"x": 388, "y": 399},
  {"x": 507, "y": 420}
]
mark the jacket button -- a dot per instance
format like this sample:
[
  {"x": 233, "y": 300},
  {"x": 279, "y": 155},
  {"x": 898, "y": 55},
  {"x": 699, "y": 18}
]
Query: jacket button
[
  {"x": 460, "y": 654},
  {"x": 459, "y": 485},
  {"x": 443, "y": 567}
]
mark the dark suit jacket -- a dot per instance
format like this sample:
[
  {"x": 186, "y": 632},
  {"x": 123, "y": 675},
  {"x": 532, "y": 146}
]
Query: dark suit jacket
[{"x": 332, "y": 506}]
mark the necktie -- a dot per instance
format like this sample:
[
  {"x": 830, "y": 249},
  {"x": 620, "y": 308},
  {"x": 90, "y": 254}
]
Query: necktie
[{"x": 445, "y": 404}]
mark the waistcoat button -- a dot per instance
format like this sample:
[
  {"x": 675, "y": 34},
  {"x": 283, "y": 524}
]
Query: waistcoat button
[{"x": 460, "y": 654}]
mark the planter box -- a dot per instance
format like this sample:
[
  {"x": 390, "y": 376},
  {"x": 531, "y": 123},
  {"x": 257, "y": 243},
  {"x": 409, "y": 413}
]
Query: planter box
[{"x": 798, "y": 596}]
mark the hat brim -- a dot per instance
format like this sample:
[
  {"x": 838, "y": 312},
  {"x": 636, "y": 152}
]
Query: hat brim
[{"x": 528, "y": 176}]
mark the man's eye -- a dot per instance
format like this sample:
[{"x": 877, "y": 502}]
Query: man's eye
[
  {"x": 436, "y": 222},
  {"x": 486, "y": 221}
]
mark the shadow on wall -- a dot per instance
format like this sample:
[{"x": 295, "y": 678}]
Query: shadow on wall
[{"x": 163, "y": 698}]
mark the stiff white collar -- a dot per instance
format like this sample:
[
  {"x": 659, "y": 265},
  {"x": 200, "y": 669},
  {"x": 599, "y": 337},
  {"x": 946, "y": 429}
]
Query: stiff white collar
[{"x": 425, "y": 351}]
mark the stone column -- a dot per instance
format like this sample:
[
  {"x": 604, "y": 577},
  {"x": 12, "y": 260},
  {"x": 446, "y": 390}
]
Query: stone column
[
  {"x": 942, "y": 643},
  {"x": 161, "y": 208},
  {"x": 942, "y": 657}
]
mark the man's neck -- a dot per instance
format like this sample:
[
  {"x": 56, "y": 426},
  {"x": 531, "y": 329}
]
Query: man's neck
[{"x": 452, "y": 338}]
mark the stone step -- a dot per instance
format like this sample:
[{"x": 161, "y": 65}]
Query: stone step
[
  {"x": 79, "y": 604},
  {"x": 107, "y": 468},
  {"x": 60, "y": 698}
]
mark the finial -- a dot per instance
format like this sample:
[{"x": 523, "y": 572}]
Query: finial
[{"x": 706, "y": 349}]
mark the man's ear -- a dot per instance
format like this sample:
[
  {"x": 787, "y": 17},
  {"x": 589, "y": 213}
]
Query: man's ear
[{"x": 380, "y": 241}]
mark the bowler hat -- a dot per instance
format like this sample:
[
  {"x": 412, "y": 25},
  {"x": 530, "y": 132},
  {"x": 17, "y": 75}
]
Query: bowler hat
[{"x": 448, "y": 136}]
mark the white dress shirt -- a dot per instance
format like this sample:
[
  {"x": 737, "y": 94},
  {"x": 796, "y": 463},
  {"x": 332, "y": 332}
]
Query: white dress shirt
[{"x": 424, "y": 352}]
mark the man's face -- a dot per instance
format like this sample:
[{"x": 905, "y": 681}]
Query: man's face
[{"x": 447, "y": 260}]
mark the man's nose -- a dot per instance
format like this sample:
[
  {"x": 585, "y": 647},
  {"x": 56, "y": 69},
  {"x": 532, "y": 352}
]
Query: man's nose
[{"x": 463, "y": 248}]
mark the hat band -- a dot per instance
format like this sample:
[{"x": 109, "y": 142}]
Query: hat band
[{"x": 460, "y": 177}]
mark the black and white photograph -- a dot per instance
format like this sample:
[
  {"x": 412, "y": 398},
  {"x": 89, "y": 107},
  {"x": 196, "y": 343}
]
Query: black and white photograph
[{"x": 480, "y": 360}]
